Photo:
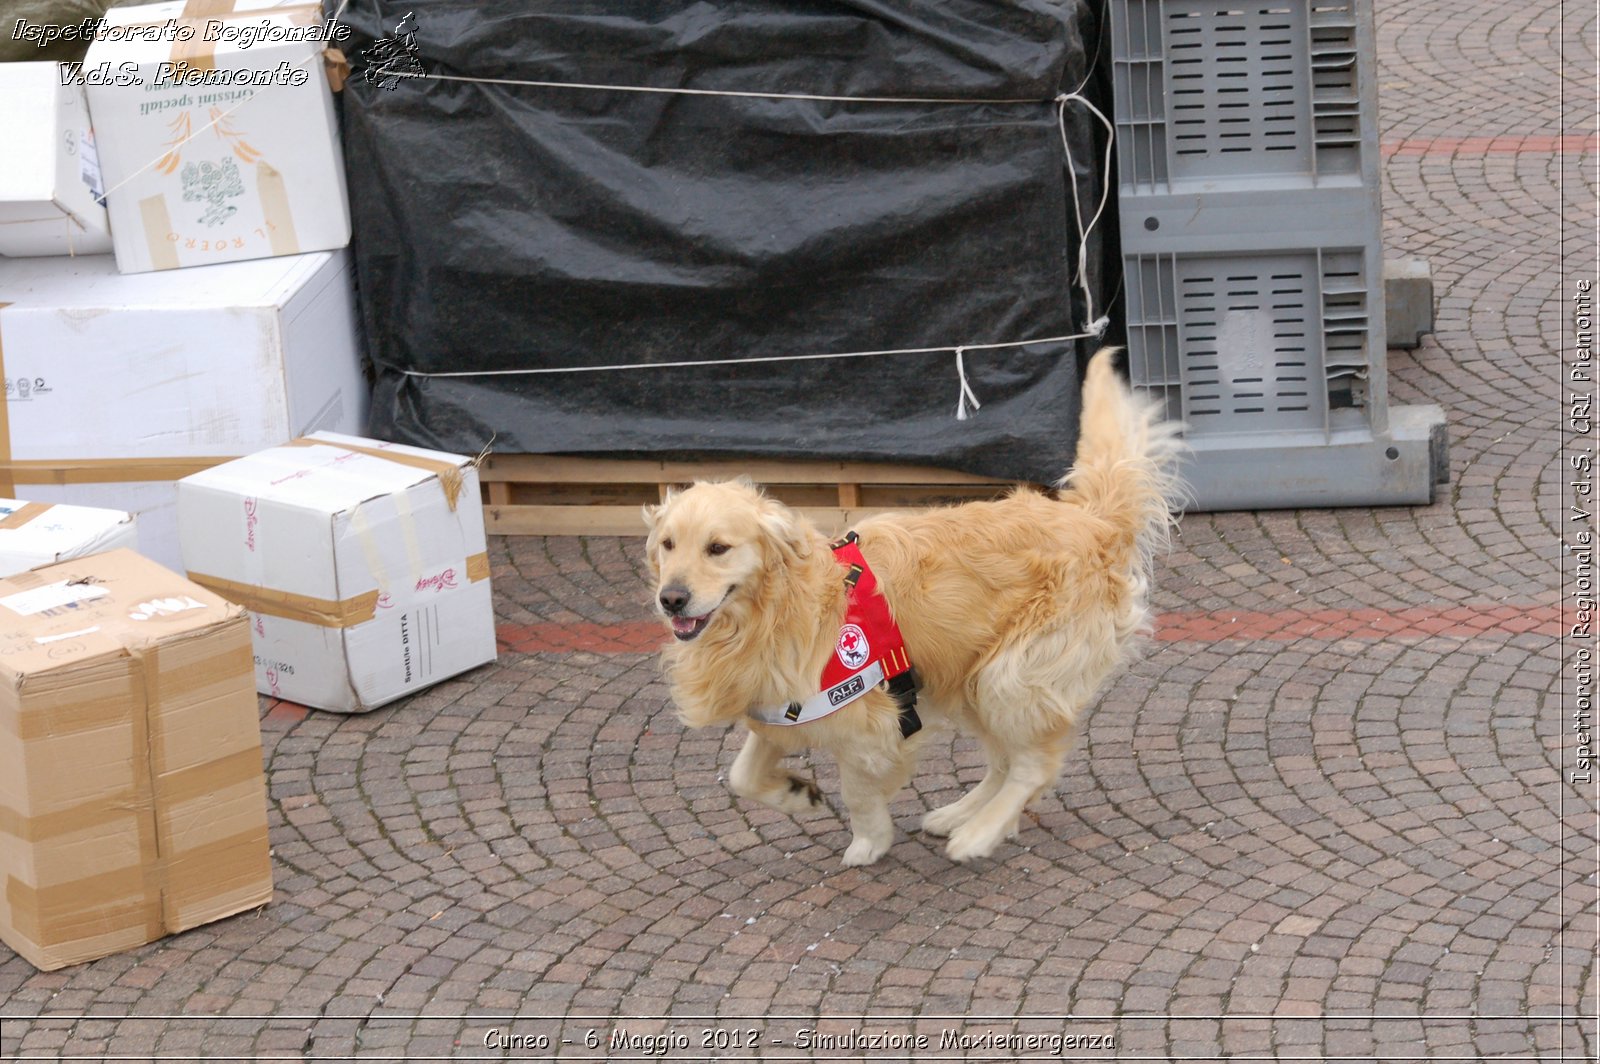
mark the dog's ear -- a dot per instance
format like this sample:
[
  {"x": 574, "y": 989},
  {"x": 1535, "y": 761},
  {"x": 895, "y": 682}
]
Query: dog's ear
[
  {"x": 652, "y": 513},
  {"x": 652, "y": 522},
  {"x": 785, "y": 529}
]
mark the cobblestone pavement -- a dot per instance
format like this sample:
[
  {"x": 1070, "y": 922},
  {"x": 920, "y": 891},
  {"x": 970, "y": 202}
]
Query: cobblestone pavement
[{"x": 1327, "y": 818}]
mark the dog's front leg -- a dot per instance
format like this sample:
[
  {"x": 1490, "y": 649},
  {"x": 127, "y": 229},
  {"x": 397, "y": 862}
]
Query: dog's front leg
[
  {"x": 868, "y": 781},
  {"x": 756, "y": 775}
]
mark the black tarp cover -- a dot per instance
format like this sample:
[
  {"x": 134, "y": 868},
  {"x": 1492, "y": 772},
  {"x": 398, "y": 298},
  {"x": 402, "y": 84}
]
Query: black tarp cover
[{"x": 511, "y": 227}]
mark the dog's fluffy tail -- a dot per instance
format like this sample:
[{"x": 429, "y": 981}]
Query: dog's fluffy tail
[{"x": 1125, "y": 470}]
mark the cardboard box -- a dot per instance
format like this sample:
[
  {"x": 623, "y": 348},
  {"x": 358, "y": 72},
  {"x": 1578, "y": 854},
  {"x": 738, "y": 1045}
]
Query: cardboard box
[
  {"x": 50, "y": 184},
  {"x": 217, "y": 133},
  {"x": 117, "y": 385},
  {"x": 40, "y": 533},
  {"x": 132, "y": 802},
  {"x": 362, "y": 563}
]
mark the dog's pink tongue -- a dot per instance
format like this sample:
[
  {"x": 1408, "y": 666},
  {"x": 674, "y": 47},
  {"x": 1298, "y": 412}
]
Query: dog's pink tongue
[{"x": 684, "y": 624}]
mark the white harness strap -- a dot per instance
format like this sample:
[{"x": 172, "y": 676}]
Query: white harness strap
[{"x": 823, "y": 703}]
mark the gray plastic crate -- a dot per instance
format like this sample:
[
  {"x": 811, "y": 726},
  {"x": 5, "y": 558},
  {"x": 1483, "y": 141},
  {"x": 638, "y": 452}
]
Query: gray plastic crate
[
  {"x": 1208, "y": 89},
  {"x": 1239, "y": 345},
  {"x": 1251, "y": 235}
]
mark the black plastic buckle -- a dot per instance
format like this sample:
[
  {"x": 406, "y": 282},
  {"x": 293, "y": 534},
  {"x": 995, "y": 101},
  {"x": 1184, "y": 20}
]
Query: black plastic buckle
[{"x": 903, "y": 689}]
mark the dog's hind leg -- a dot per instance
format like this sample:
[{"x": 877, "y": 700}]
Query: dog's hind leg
[
  {"x": 945, "y": 819},
  {"x": 868, "y": 781},
  {"x": 1031, "y": 772},
  {"x": 755, "y": 774}
]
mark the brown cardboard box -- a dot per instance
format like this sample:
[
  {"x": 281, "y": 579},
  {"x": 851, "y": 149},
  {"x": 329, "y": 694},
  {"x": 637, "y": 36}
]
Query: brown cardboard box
[{"x": 132, "y": 801}]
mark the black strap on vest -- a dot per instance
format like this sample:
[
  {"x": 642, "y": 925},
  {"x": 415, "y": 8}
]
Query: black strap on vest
[{"x": 903, "y": 689}]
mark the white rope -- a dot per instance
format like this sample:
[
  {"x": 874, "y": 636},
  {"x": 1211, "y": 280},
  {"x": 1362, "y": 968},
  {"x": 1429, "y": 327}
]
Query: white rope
[
  {"x": 716, "y": 92},
  {"x": 1096, "y": 326},
  {"x": 697, "y": 362},
  {"x": 966, "y": 393}
]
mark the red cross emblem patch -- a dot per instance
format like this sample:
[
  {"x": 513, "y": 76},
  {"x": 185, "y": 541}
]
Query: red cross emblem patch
[{"x": 854, "y": 650}]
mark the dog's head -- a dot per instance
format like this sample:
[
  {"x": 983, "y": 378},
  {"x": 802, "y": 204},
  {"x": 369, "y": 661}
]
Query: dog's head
[{"x": 713, "y": 548}]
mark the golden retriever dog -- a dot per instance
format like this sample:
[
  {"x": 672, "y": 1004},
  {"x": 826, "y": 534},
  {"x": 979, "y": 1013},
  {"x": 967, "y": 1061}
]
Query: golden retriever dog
[{"x": 1015, "y": 612}]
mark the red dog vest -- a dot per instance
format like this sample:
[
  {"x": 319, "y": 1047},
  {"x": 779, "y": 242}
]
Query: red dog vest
[{"x": 870, "y": 651}]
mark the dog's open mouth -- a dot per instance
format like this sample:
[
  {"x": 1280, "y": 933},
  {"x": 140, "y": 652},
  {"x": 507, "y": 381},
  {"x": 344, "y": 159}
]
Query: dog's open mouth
[{"x": 686, "y": 628}]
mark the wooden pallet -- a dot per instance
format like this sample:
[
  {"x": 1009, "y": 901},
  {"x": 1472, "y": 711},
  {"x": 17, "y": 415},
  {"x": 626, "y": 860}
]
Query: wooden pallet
[{"x": 540, "y": 495}]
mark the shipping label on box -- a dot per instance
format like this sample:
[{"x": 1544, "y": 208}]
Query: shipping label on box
[
  {"x": 39, "y": 533},
  {"x": 132, "y": 799},
  {"x": 363, "y": 565},
  {"x": 51, "y": 189},
  {"x": 216, "y": 132}
]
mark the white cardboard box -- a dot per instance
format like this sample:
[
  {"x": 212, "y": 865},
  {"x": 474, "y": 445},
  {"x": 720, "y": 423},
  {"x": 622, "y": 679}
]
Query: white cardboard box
[
  {"x": 117, "y": 385},
  {"x": 221, "y": 146},
  {"x": 40, "y": 533},
  {"x": 49, "y": 171},
  {"x": 362, "y": 563}
]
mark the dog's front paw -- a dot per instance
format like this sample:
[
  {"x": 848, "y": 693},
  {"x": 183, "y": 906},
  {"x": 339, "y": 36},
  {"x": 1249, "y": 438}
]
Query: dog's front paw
[
  {"x": 864, "y": 851},
  {"x": 943, "y": 820},
  {"x": 968, "y": 845},
  {"x": 800, "y": 796}
]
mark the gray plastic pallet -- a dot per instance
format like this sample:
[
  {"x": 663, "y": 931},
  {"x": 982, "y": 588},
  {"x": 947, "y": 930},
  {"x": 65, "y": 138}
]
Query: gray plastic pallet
[{"x": 1251, "y": 233}]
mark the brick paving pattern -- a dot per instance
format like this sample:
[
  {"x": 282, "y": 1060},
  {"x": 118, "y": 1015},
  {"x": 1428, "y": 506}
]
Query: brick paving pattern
[{"x": 1325, "y": 819}]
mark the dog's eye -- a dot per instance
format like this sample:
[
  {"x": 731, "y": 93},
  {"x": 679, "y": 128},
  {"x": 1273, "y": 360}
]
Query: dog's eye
[
  {"x": 666, "y": 544},
  {"x": 716, "y": 549}
]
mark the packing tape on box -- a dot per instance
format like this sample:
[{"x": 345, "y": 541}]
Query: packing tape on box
[
  {"x": 449, "y": 473},
  {"x": 146, "y": 661},
  {"x": 98, "y": 812},
  {"x": 274, "y": 196},
  {"x": 184, "y": 785},
  {"x": 370, "y": 550},
  {"x": 111, "y": 901},
  {"x": 206, "y": 779},
  {"x": 336, "y": 67},
  {"x": 93, "y": 470},
  {"x": 72, "y": 710},
  {"x": 82, "y": 908},
  {"x": 23, "y": 514},
  {"x": 157, "y": 224},
  {"x": 213, "y": 872},
  {"x": 408, "y": 534},
  {"x": 324, "y": 613}
]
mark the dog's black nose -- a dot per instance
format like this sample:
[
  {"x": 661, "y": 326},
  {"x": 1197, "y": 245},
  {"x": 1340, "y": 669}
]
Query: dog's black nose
[{"x": 674, "y": 599}]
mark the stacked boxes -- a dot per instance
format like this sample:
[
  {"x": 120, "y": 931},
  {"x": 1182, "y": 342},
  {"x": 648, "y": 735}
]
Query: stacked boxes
[
  {"x": 116, "y": 385},
  {"x": 195, "y": 134},
  {"x": 1248, "y": 152},
  {"x": 363, "y": 565},
  {"x": 132, "y": 801}
]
